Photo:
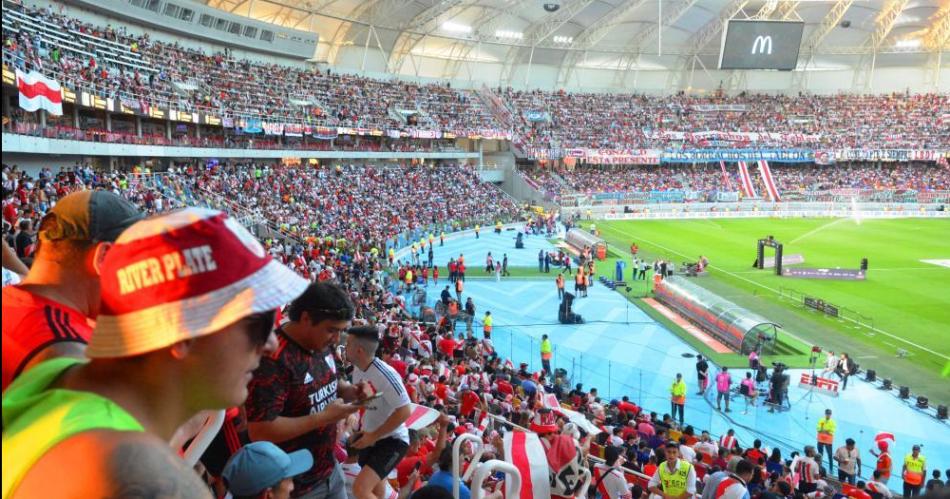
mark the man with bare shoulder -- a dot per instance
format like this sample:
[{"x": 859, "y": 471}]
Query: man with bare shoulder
[{"x": 188, "y": 306}]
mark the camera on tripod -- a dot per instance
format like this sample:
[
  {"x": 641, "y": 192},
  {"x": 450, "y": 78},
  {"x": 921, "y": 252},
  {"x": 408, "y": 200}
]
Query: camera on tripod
[{"x": 778, "y": 367}]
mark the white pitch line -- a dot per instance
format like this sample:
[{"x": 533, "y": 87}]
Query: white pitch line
[
  {"x": 763, "y": 286},
  {"x": 816, "y": 230}
]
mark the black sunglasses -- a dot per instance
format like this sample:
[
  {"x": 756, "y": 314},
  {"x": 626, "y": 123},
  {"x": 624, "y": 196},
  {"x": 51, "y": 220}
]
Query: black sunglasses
[{"x": 260, "y": 326}]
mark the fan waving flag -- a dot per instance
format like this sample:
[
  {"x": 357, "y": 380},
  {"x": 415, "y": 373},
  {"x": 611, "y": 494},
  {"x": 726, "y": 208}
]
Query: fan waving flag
[
  {"x": 39, "y": 92},
  {"x": 420, "y": 417},
  {"x": 525, "y": 452},
  {"x": 884, "y": 437}
]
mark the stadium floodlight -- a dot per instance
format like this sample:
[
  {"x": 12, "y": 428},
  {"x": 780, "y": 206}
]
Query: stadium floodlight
[
  {"x": 908, "y": 44},
  {"x": 456, "y": 27},
  {"x": 513, "y": 35},
  {"x": 563, "y": 39}
]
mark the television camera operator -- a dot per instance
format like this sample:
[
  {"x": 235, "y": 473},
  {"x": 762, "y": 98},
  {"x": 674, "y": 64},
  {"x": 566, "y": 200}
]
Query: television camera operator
[{"x": 778, "y": 385}]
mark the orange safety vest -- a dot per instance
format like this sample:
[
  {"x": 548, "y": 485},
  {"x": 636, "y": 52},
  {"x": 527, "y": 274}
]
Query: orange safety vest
[
  {"x": 560, "y": 282},
  {"x": 458, "y": 286},
  {"x": 913, "y": 476},
  {"x": 827, "y": 436}
]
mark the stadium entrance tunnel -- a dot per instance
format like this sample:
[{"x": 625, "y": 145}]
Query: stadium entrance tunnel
[{"x": 737, "y": 328}]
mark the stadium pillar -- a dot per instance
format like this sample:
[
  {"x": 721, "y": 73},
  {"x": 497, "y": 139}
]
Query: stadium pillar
[
  {"x": 168, "y": 129},
  {"x": 42, "y": 117},
  {"x": 197, "y": 131},
  {"x": 481, "y": 152},
  {"x": 138, "y": 126},
  {"x": 76, "y": 116},
  {"x": 7, "y": 112},
  {"x": 108, "y": 122}
]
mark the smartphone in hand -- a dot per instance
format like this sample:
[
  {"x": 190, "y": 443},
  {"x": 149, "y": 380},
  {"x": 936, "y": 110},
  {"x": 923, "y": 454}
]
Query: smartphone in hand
[{"x": 368, "y": 399}]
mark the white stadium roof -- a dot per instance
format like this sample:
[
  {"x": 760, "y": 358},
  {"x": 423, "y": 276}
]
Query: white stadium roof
[{"x": 617, "y": 35}]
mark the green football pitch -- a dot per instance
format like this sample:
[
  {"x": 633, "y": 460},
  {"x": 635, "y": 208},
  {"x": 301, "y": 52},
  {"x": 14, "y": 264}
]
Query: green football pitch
[{"x": 901, "y": 312}]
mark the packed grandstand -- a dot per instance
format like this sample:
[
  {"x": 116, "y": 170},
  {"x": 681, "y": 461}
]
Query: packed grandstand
[{"x": 370, "y": 380}]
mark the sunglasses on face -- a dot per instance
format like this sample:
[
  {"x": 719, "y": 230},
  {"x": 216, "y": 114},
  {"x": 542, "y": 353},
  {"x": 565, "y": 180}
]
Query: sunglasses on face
[{"x": 260, "y": 326}]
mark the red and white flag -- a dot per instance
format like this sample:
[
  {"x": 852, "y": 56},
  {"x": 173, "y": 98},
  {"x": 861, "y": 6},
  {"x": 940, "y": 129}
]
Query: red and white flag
[
  {"x": 421, "y": 416},
  {"x": 483, "y": 420},
  {"x": 745, "y": 181},
  {"x": 884, "y": 436},
  {"x": 725, "y": 174},
  {"x": 39, "y": 92},
  {"x": 767, "y": 179},
  {"x": 525, "y": 452}
]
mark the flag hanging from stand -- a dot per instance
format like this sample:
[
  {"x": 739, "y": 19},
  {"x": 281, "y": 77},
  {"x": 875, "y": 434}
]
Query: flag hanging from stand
[
  {"x": 725, "y": 175},
  {"x": 766, "y": 173},
  {"x": 745, "y": 181},
  {"x": 39, "y": 92}
]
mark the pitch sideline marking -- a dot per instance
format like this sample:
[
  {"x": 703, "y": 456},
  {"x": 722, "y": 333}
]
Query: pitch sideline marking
[
  {"x": 942, "y": 262},
  {"x": 898, "y": 338}
]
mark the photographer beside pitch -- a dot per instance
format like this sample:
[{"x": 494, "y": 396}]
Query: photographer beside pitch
[{"x": 384, "y": 439}]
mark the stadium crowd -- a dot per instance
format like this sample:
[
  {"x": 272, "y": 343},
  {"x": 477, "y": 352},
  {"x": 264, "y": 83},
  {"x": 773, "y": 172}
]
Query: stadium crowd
[
  {"x": 430, "y": 360},
  {"x": 328, "y": 397},
  {"x": 192, "y": 80},
  {"x": 361, "y": 204},
  {"x": 592, "y": 179},
  {"x": 147, "y": 72},
  {"x": 557, "y": 120}
]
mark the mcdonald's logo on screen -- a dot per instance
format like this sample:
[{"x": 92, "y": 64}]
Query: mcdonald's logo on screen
[{"x": 762, "y": 45}]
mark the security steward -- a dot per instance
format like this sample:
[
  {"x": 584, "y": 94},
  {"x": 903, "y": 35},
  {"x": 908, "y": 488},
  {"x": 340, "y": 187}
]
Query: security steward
[
  {"x": 915, "y": 469},
  {"x": 674, "y": 478},
  {"x": 826, "y": 438}
]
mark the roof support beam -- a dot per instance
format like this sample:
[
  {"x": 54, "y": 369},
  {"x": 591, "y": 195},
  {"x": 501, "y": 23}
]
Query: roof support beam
[
  {"x": 810, "y": 46},
  {"x": 700, "y": 39},
  {"x": 591, "y": 36},
  {"x": 426, "y": 21},
  {"x": 635, "y": 46},
  {"x": 864, "y": 72},
  {"x": 539, "y": 32}
]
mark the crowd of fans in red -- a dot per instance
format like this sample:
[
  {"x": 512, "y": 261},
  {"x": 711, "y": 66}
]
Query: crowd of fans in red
[
  {"x": 192, "y": 80},
  {"x": 593, "y": 179},
  {"x": 331, "y": 225},
  {"x": 454, "y": 371},
  {"x": 622, "y": 121}
]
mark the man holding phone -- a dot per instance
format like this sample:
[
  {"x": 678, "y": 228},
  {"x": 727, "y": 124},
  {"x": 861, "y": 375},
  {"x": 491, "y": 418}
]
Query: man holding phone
[
  {"x": 384, "y": 439},
  {"x": 295, "y": 395}
]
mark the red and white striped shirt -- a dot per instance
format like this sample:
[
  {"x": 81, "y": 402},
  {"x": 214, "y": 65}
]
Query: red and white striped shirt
[{"x": 727, "y": 442}]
